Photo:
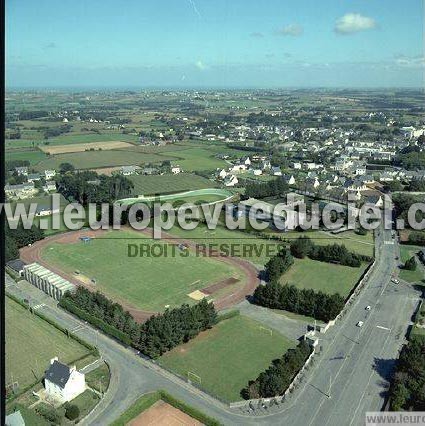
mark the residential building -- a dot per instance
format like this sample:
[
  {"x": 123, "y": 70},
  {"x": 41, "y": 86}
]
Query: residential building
[{"x": 63, "y": 383}]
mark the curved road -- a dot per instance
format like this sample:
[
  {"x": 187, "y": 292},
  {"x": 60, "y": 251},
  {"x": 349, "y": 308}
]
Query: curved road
[{"x": 348, "y": 377}]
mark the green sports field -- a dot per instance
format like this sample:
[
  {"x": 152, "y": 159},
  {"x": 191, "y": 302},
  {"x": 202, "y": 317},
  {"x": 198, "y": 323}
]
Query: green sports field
[
  {"x": 256, "y": 250},
  {"x": 147, "y": 282},
  {"x": 156, "y": 184},
  {"x": 326, "y": 277},
  {"x": 226, "y": 357},
  {"x": 30, "y": 344}
]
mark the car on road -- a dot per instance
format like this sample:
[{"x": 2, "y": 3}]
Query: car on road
[
  {"x": 368, "y": 308},
  {"x": 360, "y": 324},
  {"x": 395, "y": 281}
]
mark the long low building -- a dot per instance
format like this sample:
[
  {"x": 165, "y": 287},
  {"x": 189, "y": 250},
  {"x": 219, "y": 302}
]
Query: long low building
[{"x": 47, "y": 281}]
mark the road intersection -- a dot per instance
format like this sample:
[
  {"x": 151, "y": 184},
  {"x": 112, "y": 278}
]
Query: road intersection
[{"x": 349, "y": 375}]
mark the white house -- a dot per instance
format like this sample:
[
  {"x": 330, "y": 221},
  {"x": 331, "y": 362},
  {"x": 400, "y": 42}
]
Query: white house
[
  {"x": 266, "y": 165},
  {"x": 222, "y": 174},
  {"x": 49, "y": 186},
  {"x": 175, "y": 170},
  {"x": 231, "y": 180},
  {"x": 129, "y": 170},
  {"x": 22, "y": 171},
  {"x": 256, "y": 172},
  {"x": 276, "y": 171},
  {"x": 297, "y": 165},
  {"x": 236, "y": 168},
  {"x": 49, "y": 174},
  {"x": 246, "y": 161},
  {"x": 63, "y": 383}
]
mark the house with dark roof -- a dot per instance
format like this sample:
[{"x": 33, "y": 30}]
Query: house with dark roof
[{"x": 63, "y": 383}]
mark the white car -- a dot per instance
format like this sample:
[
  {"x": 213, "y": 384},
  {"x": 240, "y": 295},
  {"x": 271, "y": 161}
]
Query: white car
[
  {"x": 368, "y": 308},
  {"x": 395, "y": 281},
  {"x": 360, "y": 324}
]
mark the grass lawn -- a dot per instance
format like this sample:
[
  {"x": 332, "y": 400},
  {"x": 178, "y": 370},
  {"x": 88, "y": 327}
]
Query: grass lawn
[
  {"x": 99, "y": 378},
  {"x": 30, "y": 344},
  {"x": 326, "y": 277},
  {"x": 362, "y": 244},
  {"x": 86, "y": 402},
  {"x": 156, "y": 184},
  {"x": 226, "y": 357},
  {"x": 407, "y": 252},
  {"x": 197, "y": 158},
  {"x": 147, "y": 282},
  {"x": 257, "y": 250}
]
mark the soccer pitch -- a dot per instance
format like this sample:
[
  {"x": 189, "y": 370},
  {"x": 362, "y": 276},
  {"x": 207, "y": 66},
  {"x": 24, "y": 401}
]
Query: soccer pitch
[
  {"x": 222, "y": 360},
  {"x": 163, "y": 275},
  {"x": 31, "y": 343}
]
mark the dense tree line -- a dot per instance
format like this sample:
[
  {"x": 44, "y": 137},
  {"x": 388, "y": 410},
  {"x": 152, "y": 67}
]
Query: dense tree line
[
  {"x": 20, "y": 237},
  {"x": 157, "y": 335},
  {"x": 266, "y": 189},
  {"x": 410, "y": 264},
  {"x": 278, "y": 265},
  {"x": 416, "y": 185},
  {"x": 332, "y": 253},
  {"x": 407, "y": 391},
  {"x": 308, "y": 302},
  {"x": 31, "y": 115},
  {"x": 88, "y": 187},
  {"x": 277, "y": 378},
  {"x": 402, "y": 204}
]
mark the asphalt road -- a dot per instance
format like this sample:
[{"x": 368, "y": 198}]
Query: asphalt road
[{"x": 347, "y": 378}]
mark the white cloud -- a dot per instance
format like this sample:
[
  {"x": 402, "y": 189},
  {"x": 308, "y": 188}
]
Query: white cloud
[
  {"x": 293, "y": 30},
  {"x": 353, "y": 23},
  {"x": 411, "y": 62},
  {"x": 200, "y": 65}
]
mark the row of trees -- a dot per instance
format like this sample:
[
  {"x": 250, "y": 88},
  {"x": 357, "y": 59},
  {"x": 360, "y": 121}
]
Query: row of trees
[
  {"x": 20, "y": 237},
  {"x": 277, "y": 378},
  {"x": 157, "y": 335},
  {"x": 278, "y": 265},
  {"x": 332, "y": 253},
  {"x": 407, "y": 391},
  {"x": 266, "y": 189},
  {"x": 88, "y": 187},
  {"x": 308, "y": 302}
]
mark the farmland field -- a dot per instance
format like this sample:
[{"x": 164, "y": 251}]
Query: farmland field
[
  {"x": 147, "y": 282},
  {"x": 169, "y": 183},
  {"x": 30, "y": 344},
  {"x": 82, "y": 147},
  {"x": 33, "y": 156},
  {"x": 226, "y": 357},
  {"x": 321, "y": 276},
  {"x": 98, "y": 159}
]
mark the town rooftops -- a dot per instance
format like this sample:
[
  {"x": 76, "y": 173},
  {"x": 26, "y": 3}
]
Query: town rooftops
[
  {"x": 17, "y": 265},
  {"x": 58, "y": 373}
]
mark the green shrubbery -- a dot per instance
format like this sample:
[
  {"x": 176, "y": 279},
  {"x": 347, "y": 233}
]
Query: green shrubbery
[
  {"x": 157, "y": 335},
  {"x": 277, "y": 378}
]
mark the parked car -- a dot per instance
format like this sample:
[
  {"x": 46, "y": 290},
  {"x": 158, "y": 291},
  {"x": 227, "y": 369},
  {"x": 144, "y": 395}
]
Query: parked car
[
  {"x": 395, "y": 281},
  {"x": 368, "y": 308},
  {"x": 360, "y": 324}
]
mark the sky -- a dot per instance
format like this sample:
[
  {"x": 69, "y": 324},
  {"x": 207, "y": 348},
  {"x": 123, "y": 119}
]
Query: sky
[{"x": 214, "y": 43}]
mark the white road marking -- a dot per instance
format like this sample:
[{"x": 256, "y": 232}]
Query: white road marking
[
  {"x": 39, "y": 306},
  {"x": 383, "y": 328}
]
